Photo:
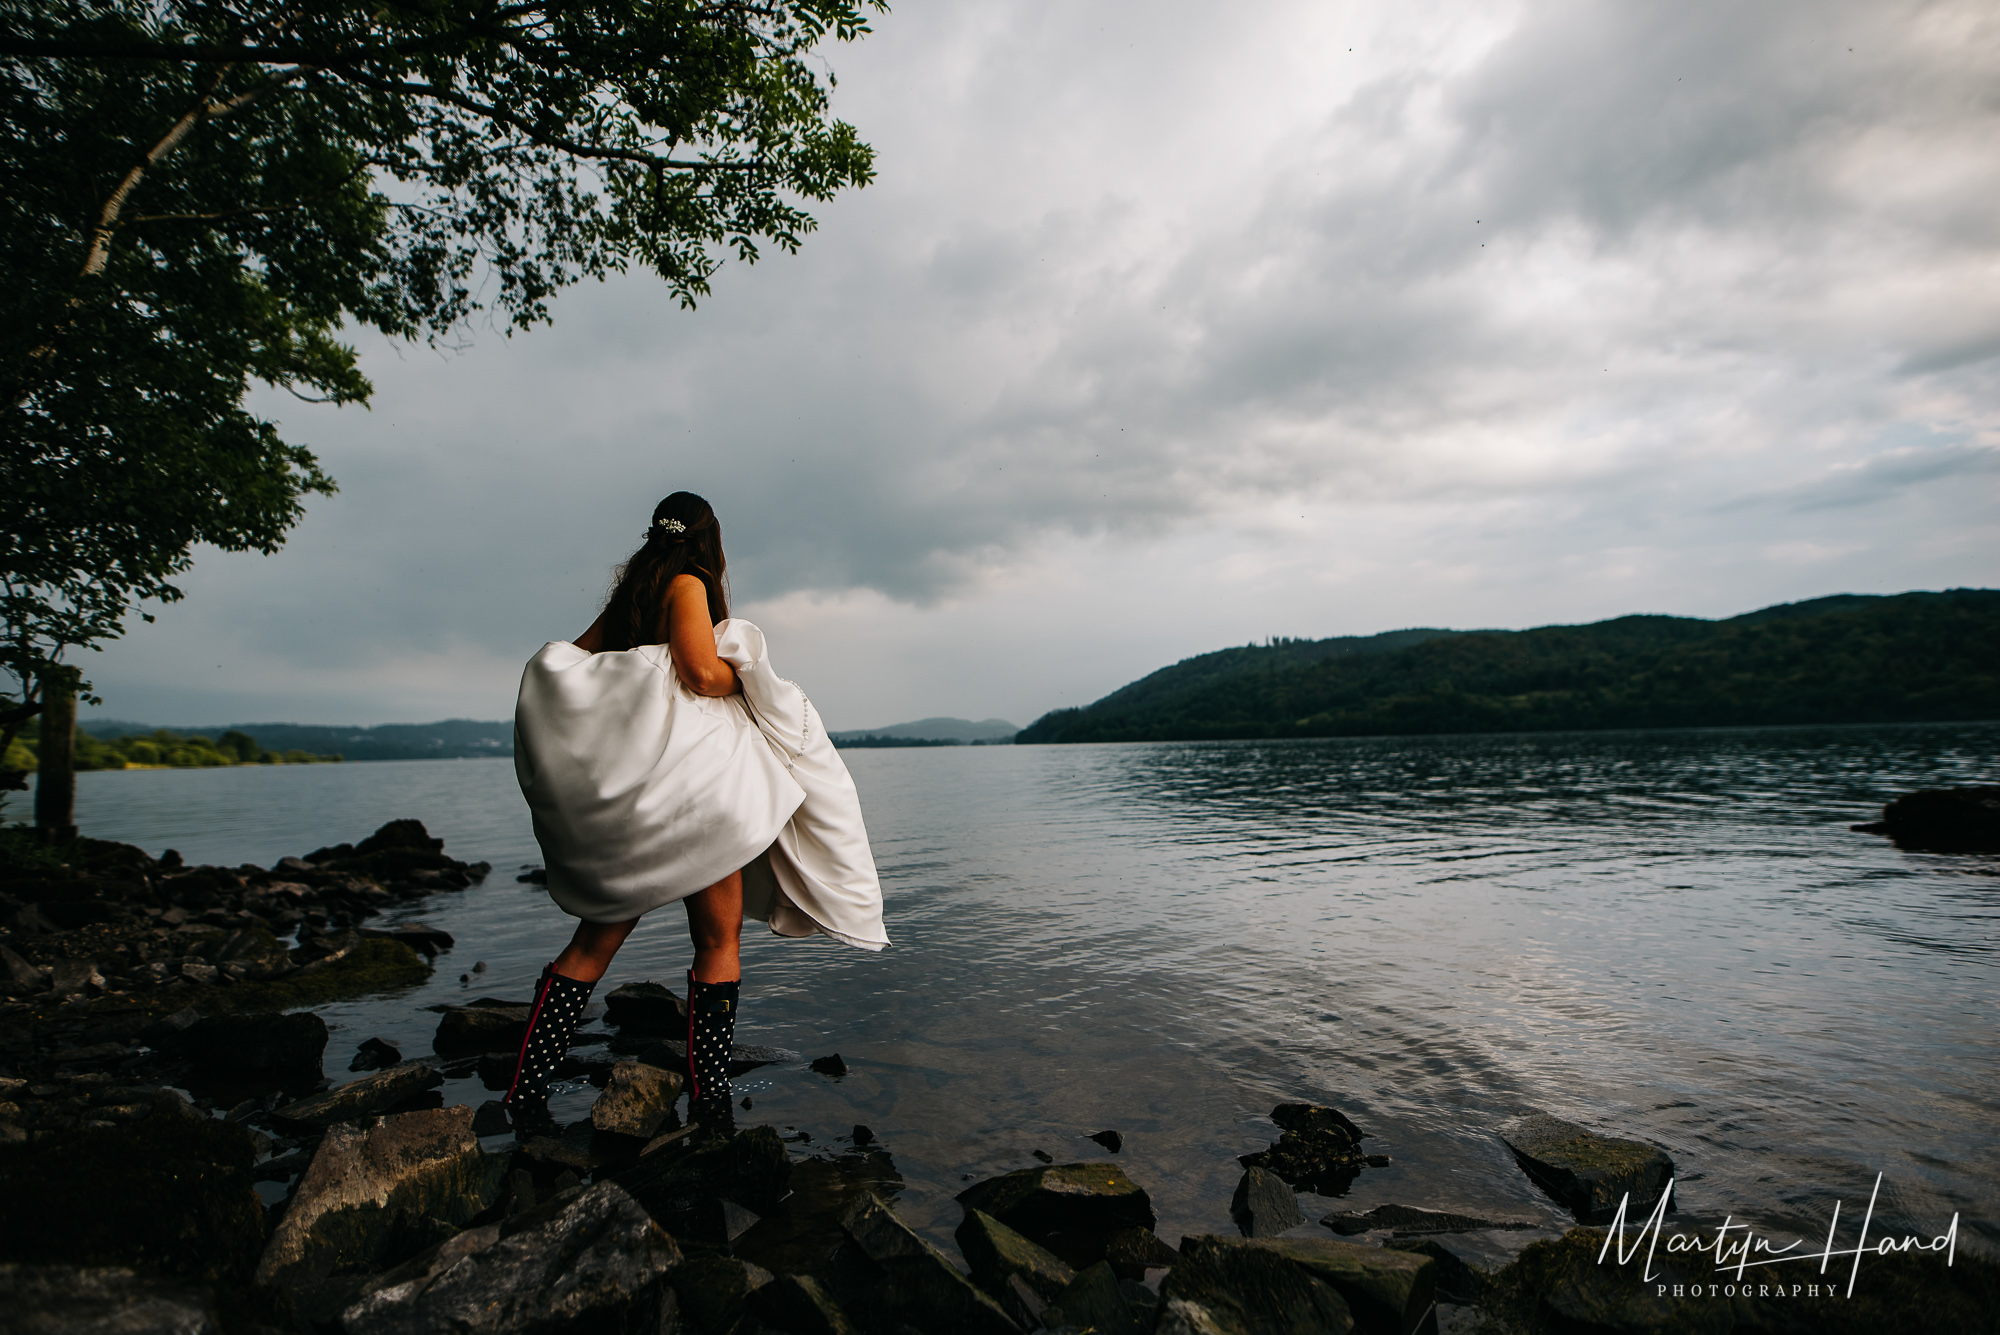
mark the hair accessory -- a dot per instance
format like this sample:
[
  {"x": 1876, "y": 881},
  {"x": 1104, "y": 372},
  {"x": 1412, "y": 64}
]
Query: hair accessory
[{"x": 673, "y": 528}]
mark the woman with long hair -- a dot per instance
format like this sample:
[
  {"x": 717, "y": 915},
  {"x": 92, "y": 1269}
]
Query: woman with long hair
[{"x": 664, "y": 760}]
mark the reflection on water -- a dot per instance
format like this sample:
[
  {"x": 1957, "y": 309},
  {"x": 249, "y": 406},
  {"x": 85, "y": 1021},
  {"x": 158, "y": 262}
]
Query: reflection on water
[{"x": 1668, "y": 935}]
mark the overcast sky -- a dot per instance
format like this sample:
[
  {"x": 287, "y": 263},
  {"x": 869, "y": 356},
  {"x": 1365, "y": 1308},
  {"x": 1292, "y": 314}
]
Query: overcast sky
[{"x": 1172, "y": 326}]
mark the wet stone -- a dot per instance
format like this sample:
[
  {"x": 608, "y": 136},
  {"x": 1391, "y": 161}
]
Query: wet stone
[
  {"x": 102, "y": 1300},
  {"x": 646, "y": 1008},
  {"x": 1070, "y": 1209},
  {"x": 374, "y": 1055},
  {"x": 466, "y": 1030},
  {"x": 275, "y": 1045},
  {"x": 998, "y": 1254},
  {"x": 636, "y": 1101},
  {"x": 1408, "y": 1221},
  {"x": 364, "y": 1097},
  {"x": 1268, "y": 1282},
  {"x": 918, "y": 1286},
  {"x": 1586, "y": 1173},
  {"x": 1263, "y": 1206}
]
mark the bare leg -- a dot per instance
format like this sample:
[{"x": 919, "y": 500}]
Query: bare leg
[
  {"x": 715, "y": 925},
  {"x": 589, "y": 952}
]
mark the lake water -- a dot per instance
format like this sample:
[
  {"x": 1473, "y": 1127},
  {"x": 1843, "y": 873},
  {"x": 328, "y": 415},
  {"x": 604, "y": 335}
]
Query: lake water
[{"x": 1672, "y": 936}]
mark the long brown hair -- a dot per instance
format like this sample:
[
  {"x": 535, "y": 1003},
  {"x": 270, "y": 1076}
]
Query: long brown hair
[{"x": 683, "y": 539}]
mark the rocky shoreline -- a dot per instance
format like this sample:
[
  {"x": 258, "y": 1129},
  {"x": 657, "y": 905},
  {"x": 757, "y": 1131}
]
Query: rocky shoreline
[{"x": 159, "y": 1058}]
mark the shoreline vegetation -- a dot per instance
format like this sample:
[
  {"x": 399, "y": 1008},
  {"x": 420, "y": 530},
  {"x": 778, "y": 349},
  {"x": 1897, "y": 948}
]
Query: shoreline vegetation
[
  {"x": 160, "y": 1055},
  {"x": 162, "y": 749},
  {"x": 1903, "y": 658}
]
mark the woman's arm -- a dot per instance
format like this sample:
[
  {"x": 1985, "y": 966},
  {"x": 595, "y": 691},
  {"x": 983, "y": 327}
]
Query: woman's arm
[{"x": 691, "y": 635}]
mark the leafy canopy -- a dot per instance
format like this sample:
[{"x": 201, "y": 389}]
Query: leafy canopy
[{"x": 195, "y": 196}]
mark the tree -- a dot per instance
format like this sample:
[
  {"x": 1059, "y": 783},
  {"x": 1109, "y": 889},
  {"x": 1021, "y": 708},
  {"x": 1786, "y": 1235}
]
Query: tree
[{"x": 197, "y": 195}]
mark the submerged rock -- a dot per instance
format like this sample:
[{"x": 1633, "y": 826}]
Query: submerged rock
[
  {"x": 489, "y": 1027},
  {"x": 364, "y": 1097},
  {"x": 590, "y": 1259},
  {"x": 1943, "y": 820},
  {"x": 99, "y": 1300},
  {"x": 1318, "y": 1149},
  {"x": 370, "y": 1190},
  {"x": 1252, "y": 1285},
  {"x": 1263, "y": 1205},
  {"x": 636, "y": 1100},
  {"x": 1587, "y": 1173},
  {"x": 917, "y": 1285},
  {"x": 375, "y": 1055},
  {"x": 1071, "y": 1209},
  {"x": 1408, "y": 1221}
]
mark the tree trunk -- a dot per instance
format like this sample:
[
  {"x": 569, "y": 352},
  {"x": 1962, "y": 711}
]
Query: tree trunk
[{"x": 55, "y": 782}]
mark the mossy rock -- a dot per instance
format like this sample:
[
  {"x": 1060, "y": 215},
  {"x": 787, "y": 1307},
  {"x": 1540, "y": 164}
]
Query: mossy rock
[
  {"x": 170, "y": 1193},
  {"x": 374, "y": 964}
]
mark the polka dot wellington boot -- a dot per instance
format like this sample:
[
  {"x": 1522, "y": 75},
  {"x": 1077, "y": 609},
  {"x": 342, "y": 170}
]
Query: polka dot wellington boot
[
  {"x": 711, "y": 1035},
  {"x": 552, "y": 1018}
]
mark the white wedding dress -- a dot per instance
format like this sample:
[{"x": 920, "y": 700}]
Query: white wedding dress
[{"x": 644, "y": 792}]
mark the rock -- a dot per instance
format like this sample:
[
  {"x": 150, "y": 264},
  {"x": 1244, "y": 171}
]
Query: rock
[
  {"x": 1263, "y": 1206},
  {"x": 1408, "y": 1221},
  {"x": 798, "y": 1305},
  {"x": 492, "y": 1119},
  {"x": 918, "y": 1285},
  {"x": 370, "y": 1189},
  {"x": 998, "y": 1255},
  {"x": 1249, "y": 1292},
  {"x": 687, "y": 1189},
  {"x": 646, "y": 1008},
  {"x": 22, "y": 977},
  {"x": 68, "y": 978},
  {"x": 1071, "y": 1209},
  {"x": 1110, "y": 1140},
  {"x": 1455, "y": 1281},
  {"x": 577, "y": 1147},
  {"x": 400, "y": 834},
  {"x": 1587, "y": 1173},
  {"x": 426, "y": 941},
  {"x": 465, "y": 1030},
  {"x": 1095, "y": 1302},
  {"x": 99, "y": 1300},
  {"x": 636, "y": 1100},
  {"x": 361, "y": 1098},
  {"x": 1318, "y": 1148},
  {"x": 275, "y": 1045},
  {"x": 1257, "y": 1284},
  {"x": 1134, "y": 1251},
  {"x": 374, "y": 1055},
  {"x": 715, "y": 1291},
  {"x": 833, "y": 1065},
  {"x": 587, "y": 1260},
  {"x": 862, "y": 1136},
  {"x": 1943, "y": 820}
]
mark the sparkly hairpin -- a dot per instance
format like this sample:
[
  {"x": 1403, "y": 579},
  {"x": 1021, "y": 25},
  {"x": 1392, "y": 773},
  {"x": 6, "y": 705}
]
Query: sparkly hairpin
[{"x": 673, "y": 528}]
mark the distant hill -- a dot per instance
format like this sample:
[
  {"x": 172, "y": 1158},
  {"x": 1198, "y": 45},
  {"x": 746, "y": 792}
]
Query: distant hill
[
  {"x": 1849, "y": 658},
  {"x": 930, "y": 732},
  {"x": 452, "y": 739}
]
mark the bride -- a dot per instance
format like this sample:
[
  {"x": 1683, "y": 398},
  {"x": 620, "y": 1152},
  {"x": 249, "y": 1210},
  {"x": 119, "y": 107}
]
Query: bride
[{"x": 663, "y": 759}]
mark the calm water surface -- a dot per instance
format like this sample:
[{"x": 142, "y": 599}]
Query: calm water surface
[{"x": 1667, "y": 935}]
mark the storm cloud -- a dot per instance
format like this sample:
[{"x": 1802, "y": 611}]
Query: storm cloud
[{"x": 1173, "y": 326}]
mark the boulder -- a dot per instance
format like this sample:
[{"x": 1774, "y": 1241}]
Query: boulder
[
  {"x": 370, "y": 1190},
  {"x": 589, "y": 1259},
  {"x": 275, "y": 1045},
  {"x": 636, "y": 1100},
  {"x": 68, "y": 978},
  {"x": 917, "y": 1285},
  {"x": 1304, "y": 1284},
  {"x": 1134, "y": 1251},
  {"x": 375, "y": 1055},
  {"x": 1318, "y": 1148},
  {"x": 830, "y": 1065},
  {"x": 646, "y": 1009},
  {"x": 799, "y": 1305},
  {"x": 1249, "y": 1291},
  {"x": 364, "y": 1097},
  {"x": 1110, "y": 1140},
  {"x": 688, "y": 1189},
  {"x": 576, "y": 1147},
  {"x": 715, "y": 1292},
  {"x": 1408, "y": 1221},
  {"x": 492, "y": 1119},
  {"x": 1003, "y": 1262},
  {"x": 1586, "y": 1173},
  {"x": 21, "y": 976},
  {"x": 401, "y": 834},
  {"x": 426, "y": 941},
  {"x": 1071, "y": 1209},
  {"x": 465, "y": 1030},
  {"x": 1095, "y": 1301},
  {"x": 1456, "y": 1279},
  {"x": 1943, "y": 820},
  {"x": 100, "y": 1300},
  {"x": 1263, "y": 1206}
]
